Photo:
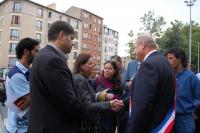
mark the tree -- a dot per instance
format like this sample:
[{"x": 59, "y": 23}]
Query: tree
[
  {"x": 130, "y": 45},
  {"x": 172, "y": 37},
  {"x": 152, "y": 24}
]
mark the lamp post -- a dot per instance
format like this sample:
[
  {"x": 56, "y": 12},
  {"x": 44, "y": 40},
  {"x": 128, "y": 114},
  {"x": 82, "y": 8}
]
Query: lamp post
[{"x": 190, "y": 3}]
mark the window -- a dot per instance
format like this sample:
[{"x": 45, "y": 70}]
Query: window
[
  {"x": 50, "y": 15},
  {"x": 85, "y": 15},
  {"x": 75, "y": 45},
  {"x": 68, "y": 20},
  {"x": 49, "y": 25},
  {"x": 17, "y": 7},
  {"x": 15, "y": 20},
  {"x": 95, "y": 28},
  {"x": 99, "y": 21},
  {"x": 76, "y": 34},
  {"x": 12, "y": 47},
  {"x": 90, "y": 26},
  {"x": 14, "y": 35},
  {"x": 85, "y": 25},
  {"x": 84, "y": 47},
  {"x": 75, "y": 55},
  {"x": 60, "y": 17},
  {"x": 85, "y": 35},
  {"x": 38, "y": 37},
  {"x": 76, "y": 25},
  {"x": 40, "y": 12},
  {"x": 1, "y": 21},
  {"x": 95, "y": 38},
  {"x": 39, "y": 25},
  {"x": 105, "y": 49},
  {"x": 12, "y": 61}
]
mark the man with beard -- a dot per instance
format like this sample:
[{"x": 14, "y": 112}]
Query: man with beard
[{"x": 17, "y": 84}]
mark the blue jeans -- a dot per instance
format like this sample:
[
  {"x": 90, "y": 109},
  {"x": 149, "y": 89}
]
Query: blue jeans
[{"x": 184, "y": 123}]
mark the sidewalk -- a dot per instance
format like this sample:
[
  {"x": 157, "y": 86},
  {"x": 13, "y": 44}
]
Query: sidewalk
[{"x": 3, "y": 111}]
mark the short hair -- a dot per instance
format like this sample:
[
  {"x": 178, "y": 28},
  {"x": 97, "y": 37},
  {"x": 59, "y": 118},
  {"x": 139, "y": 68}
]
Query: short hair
[
  {"x": 179, "y": 54},
  {"x": 81, "y": 60},
  {"x": 26, "y": 43},
  {"x": 147, "y": 39},
  {"x": 57, "y": 27},
  {"x": 116, "y": 57}
]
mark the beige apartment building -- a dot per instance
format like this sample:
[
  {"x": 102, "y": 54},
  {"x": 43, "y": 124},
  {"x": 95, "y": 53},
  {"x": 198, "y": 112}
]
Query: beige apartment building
[
  {"x": 92, "y": 25},
  {"x": 110, "y": 44},
  {"x": 24, "y": 18}
]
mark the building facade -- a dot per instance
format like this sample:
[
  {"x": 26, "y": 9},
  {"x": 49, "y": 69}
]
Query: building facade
[
  {"x": 110, "y": 44},
  {"x": 91, "y": 32},
  {"x": 24, "y": 18}
]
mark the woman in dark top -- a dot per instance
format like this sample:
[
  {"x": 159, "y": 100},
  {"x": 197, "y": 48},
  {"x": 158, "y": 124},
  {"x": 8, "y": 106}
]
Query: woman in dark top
[
  {"x": 84, "y": 66},
  {"x": 110, "y": 82}
]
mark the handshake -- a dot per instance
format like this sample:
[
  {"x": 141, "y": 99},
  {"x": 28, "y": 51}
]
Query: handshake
[{"x": 116, "y": 104}]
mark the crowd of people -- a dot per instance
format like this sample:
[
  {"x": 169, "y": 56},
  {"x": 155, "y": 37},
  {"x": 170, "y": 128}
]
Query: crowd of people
[{"x": 156, "y": 93}]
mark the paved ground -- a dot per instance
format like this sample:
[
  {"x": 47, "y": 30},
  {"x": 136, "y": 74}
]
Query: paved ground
[{"x": 3, "y": 116}]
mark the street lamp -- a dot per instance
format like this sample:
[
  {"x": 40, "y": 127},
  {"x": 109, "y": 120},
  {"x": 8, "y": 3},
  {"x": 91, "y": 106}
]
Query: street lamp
[{"x": 190, "y": 3}]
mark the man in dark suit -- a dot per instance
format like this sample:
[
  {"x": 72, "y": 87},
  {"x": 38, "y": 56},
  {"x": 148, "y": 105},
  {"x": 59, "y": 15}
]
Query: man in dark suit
[
  {"x": 153, "y": 90},
  {"x": 55, "y": 107}
]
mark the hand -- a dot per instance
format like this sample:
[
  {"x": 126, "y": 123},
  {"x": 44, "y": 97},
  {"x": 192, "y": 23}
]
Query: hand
[
  {"x": 24, "y": 103},
  {"x": 116, "y": 105},
  {"x": 109, "y": 96}
]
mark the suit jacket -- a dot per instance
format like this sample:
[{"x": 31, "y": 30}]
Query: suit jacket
[
  {"x": 54, "y": 104},
  {"x": 152, "y": 94},
  {"x": 131, "y": 69}
]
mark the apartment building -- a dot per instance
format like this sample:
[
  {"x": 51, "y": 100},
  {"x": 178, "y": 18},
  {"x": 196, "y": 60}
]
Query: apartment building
[
  {"x": 92, "y": 24},
  {"x": 110, "y": 43},
  {"x": 24, "y": 18}
]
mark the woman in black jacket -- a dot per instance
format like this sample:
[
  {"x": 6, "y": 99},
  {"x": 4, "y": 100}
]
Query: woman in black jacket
[{"x": 84, "y": 67}]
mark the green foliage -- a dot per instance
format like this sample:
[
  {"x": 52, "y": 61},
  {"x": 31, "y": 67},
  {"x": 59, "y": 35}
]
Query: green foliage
[
  {"x": 152, "y": 24},
  {"x": 130, "y": 45}
]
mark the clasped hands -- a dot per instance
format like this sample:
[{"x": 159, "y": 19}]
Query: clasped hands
[{"x": 116, "y": 104}]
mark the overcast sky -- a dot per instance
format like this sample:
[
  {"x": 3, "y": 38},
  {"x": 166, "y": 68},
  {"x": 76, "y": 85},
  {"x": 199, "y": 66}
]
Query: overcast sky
[{"x": 124, "y": 15}]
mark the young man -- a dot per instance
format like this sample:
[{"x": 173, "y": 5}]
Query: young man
[
  {"x": 55, "y": 107},
  {"x": 188, "y": 91},
  {"x": 17, "y": 84}
]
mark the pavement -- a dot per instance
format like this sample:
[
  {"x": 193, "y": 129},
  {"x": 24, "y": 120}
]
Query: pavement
[{"x": 3, "y": 117}]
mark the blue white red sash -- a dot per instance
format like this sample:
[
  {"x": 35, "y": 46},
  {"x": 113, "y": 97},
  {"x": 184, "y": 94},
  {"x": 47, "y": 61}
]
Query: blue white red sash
[{"x": 167, "y": 124}]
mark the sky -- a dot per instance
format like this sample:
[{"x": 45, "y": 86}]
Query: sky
[{"x": 124, "y": 15}]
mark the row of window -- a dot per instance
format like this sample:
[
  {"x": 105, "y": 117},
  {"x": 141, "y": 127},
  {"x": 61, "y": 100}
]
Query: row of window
[
  {"x": 88, "y": 47},
  {"x": 96, "y": 20},
  {"x": 86, "y": 25},
  {"x": 17, "y": 7},
  {"x": 89, "y": 36},
  {"x": 110, "y": 49},
  {"x": 108, "y": 31}
]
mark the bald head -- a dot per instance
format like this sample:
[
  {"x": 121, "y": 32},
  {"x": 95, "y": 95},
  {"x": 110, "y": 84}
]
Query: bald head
[
  {"x": 147, "y": 40},
  {"x": 144, "y": 44}
]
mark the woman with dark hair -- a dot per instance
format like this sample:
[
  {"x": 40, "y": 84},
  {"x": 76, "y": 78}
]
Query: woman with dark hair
[
  {"x": 84, "y": 67},
  {"x": 110, "y": 83}
]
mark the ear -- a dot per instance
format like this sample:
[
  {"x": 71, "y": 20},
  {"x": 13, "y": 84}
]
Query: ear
[
  {"x": 26, "y": 51},
  {"x": 61, "y": 35}
]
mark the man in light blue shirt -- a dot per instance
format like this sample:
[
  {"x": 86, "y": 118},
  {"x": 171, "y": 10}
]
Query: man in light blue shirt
[{"x": 17, "y": 84}]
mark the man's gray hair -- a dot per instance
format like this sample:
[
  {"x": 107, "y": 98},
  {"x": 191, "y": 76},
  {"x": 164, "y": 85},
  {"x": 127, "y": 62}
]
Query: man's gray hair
[{"x": 147, "y": 40}]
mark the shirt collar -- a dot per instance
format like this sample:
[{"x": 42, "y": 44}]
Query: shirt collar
[
  {"x": 179, "y": 73},
  {"x": 60, "y": 52},
  {"x": 149, "y": 54},
  {"x": 21, "y": 67}
]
